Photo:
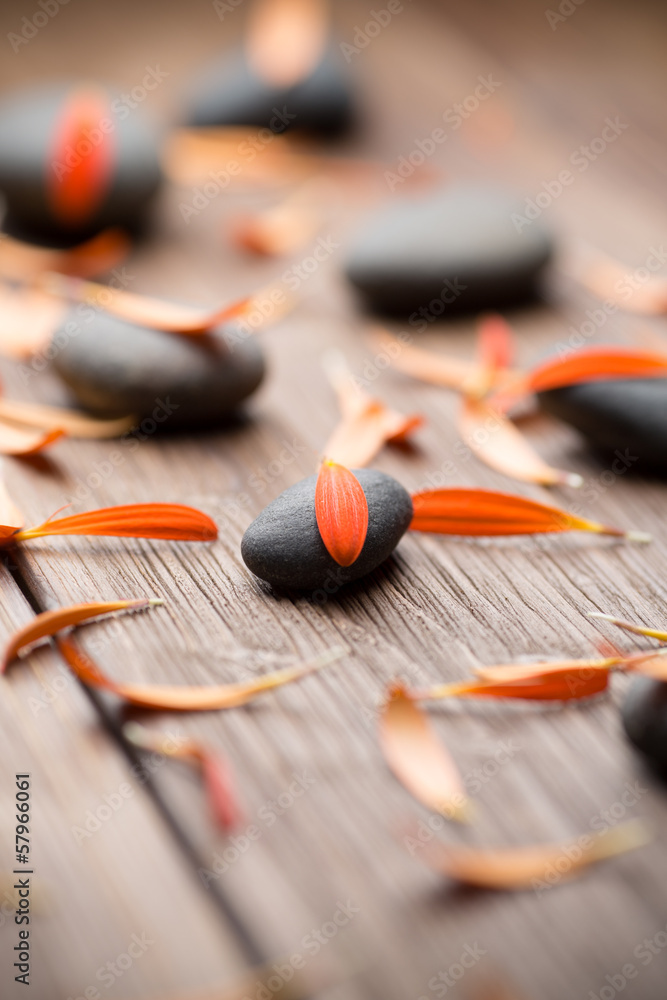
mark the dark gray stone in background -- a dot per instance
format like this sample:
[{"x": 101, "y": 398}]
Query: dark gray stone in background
[
  {"x": 230, "y": 93},
  {"x": 113, "y": 368},
  {"x": 27, "y": 123},
  {"x": 416, "y": 252},
  {"x": 283, "y": 545},
  {"x": 624, "y": 414},
  {"x": 644, "y": 715}
]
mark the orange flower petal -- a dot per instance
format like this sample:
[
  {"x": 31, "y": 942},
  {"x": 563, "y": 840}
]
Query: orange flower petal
[
  {"x": 438, "y": 369},
  {"x": 652, "y": 633},
  {"x": 28, "y": 319},
  {"x": 178, "y": 698},
  {"x": 497, "y": 442},
  {"x": 610, "y": 280},
  {"x": 288, "y": 226},
  {"x": 141, "y": 520},
  {"x": 170, "y": 317},
  {"x": 534, "y": 866},
  {"x": 367, "y": 423},
  {"x": 72, "y": 422},
  {"x": 286, "y": 39},
  {"x": 595, "y": 363},
  {"x": 17, "y": 440},
  {"x": 10, "y": 515},
  {"x": 495, "y": 343},
  {"x": 342, "y": 512},
  {"x": 50, "y": 622},
  {"x": 579, "y": 669},
  {"x": 215, "y": 771},
  {"x": 566, "y": 686},
  {"x": 419, "y": 761},
  {"x": 22, "y": 261},
  {"x": 484, "y": 512},
  {"x": 77, "y": 186}
]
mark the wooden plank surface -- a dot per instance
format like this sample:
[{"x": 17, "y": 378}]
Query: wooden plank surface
[{"x": 332, "y": 820}]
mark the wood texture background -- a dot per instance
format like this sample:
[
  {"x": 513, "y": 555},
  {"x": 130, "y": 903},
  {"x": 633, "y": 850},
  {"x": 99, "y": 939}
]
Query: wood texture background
[{"x": 438, "y": 608}]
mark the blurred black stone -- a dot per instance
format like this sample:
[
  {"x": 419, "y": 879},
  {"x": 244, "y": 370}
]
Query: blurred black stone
[
  {"x": 283, "y": 545},
  {"x": 626, "y": 415},
  {"x": 229, "y": 92},
  {"x": 453, "y": 251},
  {"x": 644, "y": 715},
  {"x": 28, "y": 124},
  {"x": 114, "y": 368}
]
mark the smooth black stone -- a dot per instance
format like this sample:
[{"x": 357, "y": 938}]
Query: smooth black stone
[
  {"x": 113, "y": 368},
  {"x": 283, "y": 545},
  {"x": 626, "y": 415},
  {"x": 644, "y": 715},
  {"x": 450, "y": 252},
  {"x": 27, "y": 123},
  {"x": 230, "y": 93}
]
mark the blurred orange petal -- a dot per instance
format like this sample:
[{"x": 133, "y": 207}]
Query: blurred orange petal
[
  {"x": 17, "y": 440},
  {"x": 535, "y": 866},
  {"x": 497, "y": 442},
  {"x": 28, "y": 319},
  {"x": 22, "y": 261},
  {"x": 418, "y": 759},
  {"x": 180, "y": 698},
  {"x": 74, "y": 423}
]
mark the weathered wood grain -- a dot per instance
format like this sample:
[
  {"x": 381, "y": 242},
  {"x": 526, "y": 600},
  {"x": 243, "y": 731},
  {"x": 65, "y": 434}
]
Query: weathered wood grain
[{"x": 440, "y": 607}]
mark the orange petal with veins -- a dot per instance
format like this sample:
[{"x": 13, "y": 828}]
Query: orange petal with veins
[{"x": 341, "y": 510}]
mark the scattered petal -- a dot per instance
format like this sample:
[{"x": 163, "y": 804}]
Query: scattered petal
[
  {"x": 484, "y": 512},
  {"x": 438, "y": 369},
  {"x": 17, "y": 440},
  {"x": 532, "y": 867},
  {"x": 179, "y": 698},
  {"x": 28, "y": 319},
  {"x": 72, "y": 422},
  {"x": 23, "y": 261},
  {"x": 76, "y": 189},
  {"x": 215, "y": 771},
  {"x": 9, "y": 512},
  {"x": 603, "y": 276},
  {"x": 417, "y": 758},
  {"x": 566, "y": 686},
  {"x": 497, "y": 442},
  {"x": 286, "y": 39},
  {"x": 596, "y": 363},
  {"x": 141, "y": 520},
  {"x": 48, "y": 623},
  {"x": 367, "y": 424},
  {"x": 286, "y": 227},
  {"x": 341, "y": 509},
  {"x": 653, "y": 633}
]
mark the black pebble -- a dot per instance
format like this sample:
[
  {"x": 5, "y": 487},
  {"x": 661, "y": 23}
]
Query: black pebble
[
  {"x": 450, "y": 252},
  {"x": 230, "y": 93},
  {"x": 628, "y": 416},
  {"x": 283, "y": 545},
  {"x": 644, "y": 717},
  {"x": 113, "y": 368},
  {"x": 27, "y": 124}
]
